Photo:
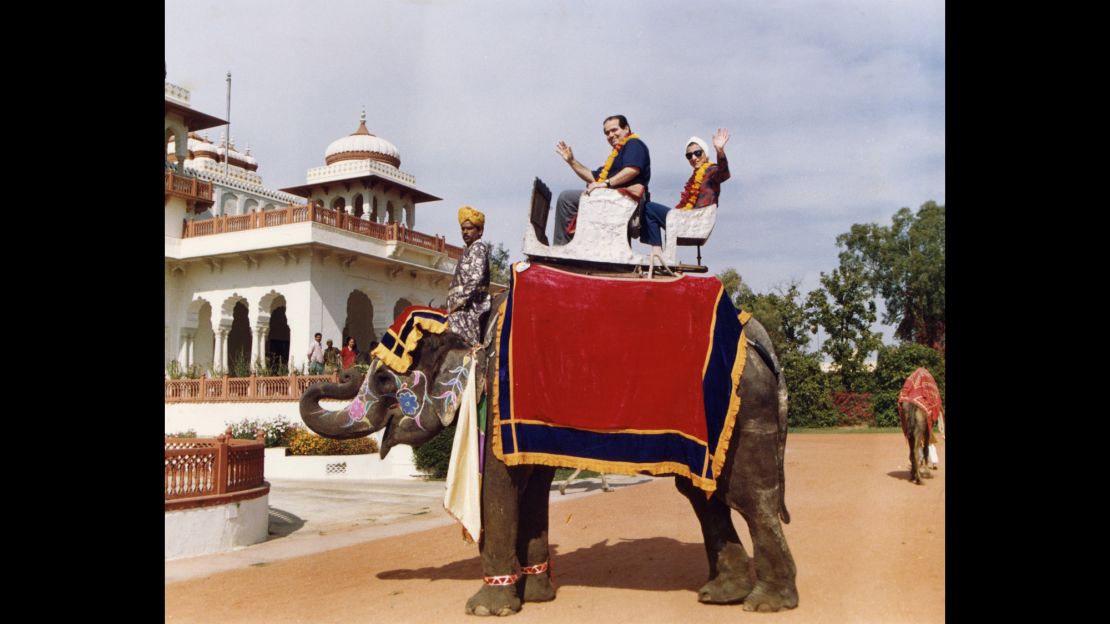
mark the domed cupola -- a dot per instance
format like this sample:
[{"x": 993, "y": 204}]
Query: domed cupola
[
  {"x": 361, "y": 145},
  {"x": 235, "y": 157},
  {"x": 201, "y": 147}
]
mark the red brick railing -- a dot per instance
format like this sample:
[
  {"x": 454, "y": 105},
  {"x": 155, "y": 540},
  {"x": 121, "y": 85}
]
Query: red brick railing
[
  {"x": 188, "y": 187},
  {"x": 325, "y": 216},
  {"x": 213, "y": 471},
  {"x": 855, "y": 408},
  {"x": 252, "y": 389}
]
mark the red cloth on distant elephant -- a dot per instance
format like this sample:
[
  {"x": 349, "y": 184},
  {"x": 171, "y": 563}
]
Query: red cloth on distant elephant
[{"x": 921, "y": 390}]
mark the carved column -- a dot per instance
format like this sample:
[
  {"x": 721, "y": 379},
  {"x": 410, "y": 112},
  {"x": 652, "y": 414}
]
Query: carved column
[
  {"x": 263, "y": 334},
  {"x": 254, "y": 347},
  {"x": 223, "y": 349},
  {"x": 186, "y": 353}
]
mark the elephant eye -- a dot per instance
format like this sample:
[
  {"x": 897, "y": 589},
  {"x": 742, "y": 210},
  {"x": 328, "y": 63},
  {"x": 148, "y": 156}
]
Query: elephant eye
[{"x": 384, "y": 383}]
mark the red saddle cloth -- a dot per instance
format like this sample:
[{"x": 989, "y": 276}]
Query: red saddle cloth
[
  {"x": 617, "y": 375},
  {"x": 921, "y": 390}
]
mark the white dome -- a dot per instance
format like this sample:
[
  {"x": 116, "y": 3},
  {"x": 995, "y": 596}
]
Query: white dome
[{"x": 361, "y": 145}]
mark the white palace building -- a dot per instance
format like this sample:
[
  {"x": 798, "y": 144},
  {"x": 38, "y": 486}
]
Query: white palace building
[{"x": 252, "y": 272}]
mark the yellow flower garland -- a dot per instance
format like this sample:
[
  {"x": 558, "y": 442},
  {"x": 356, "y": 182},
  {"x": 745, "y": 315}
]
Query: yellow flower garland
[
  {"x": 693, "y": 188},
  {"x": 613, "y": 156}
]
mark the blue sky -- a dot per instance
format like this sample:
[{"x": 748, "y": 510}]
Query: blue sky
[{"x": 836, "y": 109}]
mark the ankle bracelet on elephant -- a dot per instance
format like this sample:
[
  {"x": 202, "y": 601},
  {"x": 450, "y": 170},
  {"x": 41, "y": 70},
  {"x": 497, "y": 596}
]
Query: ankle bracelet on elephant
[
  {"x": 506, "y": 579},
  {"x": 539, "y": 568}
]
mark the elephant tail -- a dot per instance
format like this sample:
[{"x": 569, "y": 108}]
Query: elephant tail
[{"x": 784, "y": 514}]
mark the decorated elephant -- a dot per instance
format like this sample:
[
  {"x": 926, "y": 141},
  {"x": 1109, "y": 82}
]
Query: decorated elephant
[
  {"x": 919, "y": 408},
  {"x": 413, "y": 407}
]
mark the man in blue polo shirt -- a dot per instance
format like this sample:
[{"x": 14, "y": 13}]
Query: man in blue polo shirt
[{"x": 628, "y": 170}]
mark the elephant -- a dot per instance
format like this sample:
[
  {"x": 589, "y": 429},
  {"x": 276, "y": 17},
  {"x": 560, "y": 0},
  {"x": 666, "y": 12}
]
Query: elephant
[
  {"x": 915, "y": 424},
  {"x": 919, "y": 407},
  {"x": 514, "y": 500}
]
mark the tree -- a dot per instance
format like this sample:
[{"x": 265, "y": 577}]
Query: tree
[
  {"x": 905, "y": 264},
  {"x": 499, "y": 265},
  {"x": 783, "y": 315},
  {"x": 845, "y": 308},
  {"x": 894, "y": 366},
  {"x": 734, "y": 285}
]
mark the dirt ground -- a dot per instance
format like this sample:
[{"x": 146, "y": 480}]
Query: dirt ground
[{"x": 868, "y": 543}]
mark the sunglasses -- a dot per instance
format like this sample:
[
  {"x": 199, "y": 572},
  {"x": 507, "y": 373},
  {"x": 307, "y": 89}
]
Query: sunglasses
[{"x": 694, "y": 154}]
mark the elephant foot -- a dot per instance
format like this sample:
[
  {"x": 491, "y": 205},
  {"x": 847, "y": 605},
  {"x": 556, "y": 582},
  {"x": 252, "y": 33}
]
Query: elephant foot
[
  {"x": 768, "y": 597},
  {"x": 494, "y": 600},
  {"x": 538, "y": 588},
  {"x": 733, "y": 582},
  {"x": 725, "y": 590}
]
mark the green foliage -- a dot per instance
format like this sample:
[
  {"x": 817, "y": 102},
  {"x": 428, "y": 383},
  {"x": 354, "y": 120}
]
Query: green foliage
[
  {"x": 174, "y": 370},
  {"x": 810, "y": 391},
  {"x": 434, "y": 456},
  {"x": 499, "y": 265},
  {"x": 894, "y": 366},
  {"x": 240, "y": 365},
  {"x": 845, "y": 308},
  {"x": 905, "y": 264},
  {"x": 191, "y": 433},
  {"x": 302, "y": 442},
  {"x": 782, "y": 314},
  {"x": 735, "y": 288},
  {"x": 277, "y": 432}
]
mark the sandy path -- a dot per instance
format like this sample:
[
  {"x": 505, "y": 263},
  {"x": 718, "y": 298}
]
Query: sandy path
[{"x": 869, "y": 547}]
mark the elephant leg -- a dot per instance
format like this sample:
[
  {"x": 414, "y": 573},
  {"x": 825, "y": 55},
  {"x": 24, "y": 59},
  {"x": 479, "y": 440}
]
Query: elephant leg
[
  {"x": 756, "y": 494},
  {"x": 923, "y": 447},
  {"x": 730, "y": 578},
  {"x": 501, "y": 491},
  {"x": 532, "y": 548},
  {"x": 915, "y": 460}
]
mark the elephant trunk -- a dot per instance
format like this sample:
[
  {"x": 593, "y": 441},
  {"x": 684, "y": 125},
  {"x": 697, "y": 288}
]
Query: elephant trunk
[{"x": 337, "y": 425}]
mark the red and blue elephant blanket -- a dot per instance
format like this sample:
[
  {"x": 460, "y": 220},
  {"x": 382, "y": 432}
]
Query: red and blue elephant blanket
[{"x": 617, "y": 375}]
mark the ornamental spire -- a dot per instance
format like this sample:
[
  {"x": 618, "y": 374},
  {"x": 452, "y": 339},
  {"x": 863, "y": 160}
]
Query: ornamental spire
[{"x": 362, "y": 124}]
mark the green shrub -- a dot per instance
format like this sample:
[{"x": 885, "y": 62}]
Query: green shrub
[
  {"x": 240, "y": 365},
  {"x": 434, "y": 456},
  {"x": 895, "y": 364},
  {"x": 191, "y": 433},
  {"x": 174, "y": 370},
  {"x": 304, "y": 442},
  {"x": 810, "y": 391}
]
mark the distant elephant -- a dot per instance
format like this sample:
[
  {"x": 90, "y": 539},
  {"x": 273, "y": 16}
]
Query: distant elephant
[
  {"x": 919, "y": 408},
  {"x": 515, "y": 499}
]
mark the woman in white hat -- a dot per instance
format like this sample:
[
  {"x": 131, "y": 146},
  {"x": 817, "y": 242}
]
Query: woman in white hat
[{"x": 702, "y": 189}]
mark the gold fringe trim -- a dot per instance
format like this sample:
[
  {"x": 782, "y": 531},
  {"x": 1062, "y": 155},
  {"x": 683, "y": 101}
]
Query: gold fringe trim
[
  {"x": 607, "y": 466},
  {"x": 402, "y": 363},
  {"x": 495, "y": 412},
  {"x": 712, "y": 328},
  {"x": 733, "y": 401}
]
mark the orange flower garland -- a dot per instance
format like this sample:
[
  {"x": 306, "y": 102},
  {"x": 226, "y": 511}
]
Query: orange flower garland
[
  {"x": 613, "y": 156},
  {"x": 693, "y": 187}
]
